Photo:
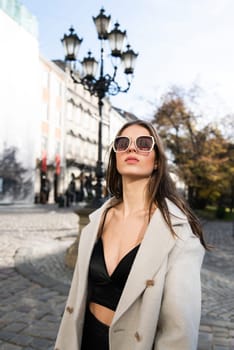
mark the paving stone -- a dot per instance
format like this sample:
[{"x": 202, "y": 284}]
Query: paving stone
[
  {"x": 221, "y": 341},
  {"x": 42, "y": 333},
  {"x": 12, "y": 316},
  {"x": 22, "y": 339},
  {"x": 15, "y": 327},
  {"x": 39, "y": 343},
  {"x": 7, "y": 346},
  {"x": 205, "y": 341},
  {"x": 6, "y": 335},
  {"x": 205, "y": 329}
]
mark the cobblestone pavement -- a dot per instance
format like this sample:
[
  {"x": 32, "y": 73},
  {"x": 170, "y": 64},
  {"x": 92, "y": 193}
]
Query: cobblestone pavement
[{"x": 35, "y": 282}]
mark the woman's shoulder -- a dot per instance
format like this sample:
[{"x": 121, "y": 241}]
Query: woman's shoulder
[{"x": 176, "y": 213}]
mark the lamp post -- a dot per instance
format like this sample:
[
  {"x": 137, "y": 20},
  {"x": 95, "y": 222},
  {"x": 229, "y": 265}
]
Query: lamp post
[{"x": 105, "y": 84}]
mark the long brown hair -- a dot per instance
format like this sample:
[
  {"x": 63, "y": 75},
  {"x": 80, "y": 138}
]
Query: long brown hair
[{"x": 160, "y": 186}]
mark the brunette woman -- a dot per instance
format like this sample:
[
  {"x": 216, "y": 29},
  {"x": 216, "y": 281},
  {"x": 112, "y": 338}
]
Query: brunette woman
[{"x": 136, "y": 284}]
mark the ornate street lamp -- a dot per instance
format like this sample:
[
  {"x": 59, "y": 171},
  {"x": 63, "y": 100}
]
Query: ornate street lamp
[{"x": 105, "y": 84}]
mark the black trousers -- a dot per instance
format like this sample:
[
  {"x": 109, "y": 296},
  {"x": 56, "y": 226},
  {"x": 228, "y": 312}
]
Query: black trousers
[{"x": 95, "y": 333}]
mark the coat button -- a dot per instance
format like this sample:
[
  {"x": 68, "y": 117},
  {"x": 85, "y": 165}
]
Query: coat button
[
  {"x": 149, "y": 283},
  {"x": 137, "y": 336},
  {"x": 118, "y": 330},
  {"x": 69, "y": 309}
]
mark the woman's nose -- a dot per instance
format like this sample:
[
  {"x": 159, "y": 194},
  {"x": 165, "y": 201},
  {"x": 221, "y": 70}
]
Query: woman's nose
[{"x": 132, "y": 147}]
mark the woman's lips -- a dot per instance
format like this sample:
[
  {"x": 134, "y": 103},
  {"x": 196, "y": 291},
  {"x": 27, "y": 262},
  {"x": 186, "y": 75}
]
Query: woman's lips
[{"x": 131, "y": 160}]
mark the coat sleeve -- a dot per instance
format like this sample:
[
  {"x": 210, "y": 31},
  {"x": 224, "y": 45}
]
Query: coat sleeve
[{"x": 180, "y": 312}]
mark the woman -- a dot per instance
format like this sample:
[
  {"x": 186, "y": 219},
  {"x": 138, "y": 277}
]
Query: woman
[{"x": 136, "y": 284}]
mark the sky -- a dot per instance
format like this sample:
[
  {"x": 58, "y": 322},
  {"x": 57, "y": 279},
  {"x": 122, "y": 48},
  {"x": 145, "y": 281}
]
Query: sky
[{"x": 180, "y": 43}]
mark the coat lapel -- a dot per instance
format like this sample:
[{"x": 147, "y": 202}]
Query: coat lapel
[
  {"x": 86, "y": 244},
  {"x": 155, "y": 247}
]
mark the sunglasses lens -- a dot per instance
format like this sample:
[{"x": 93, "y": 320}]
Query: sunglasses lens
[
  {"x": 144, "y": 143},
  {"x": 121, "y": 144}
]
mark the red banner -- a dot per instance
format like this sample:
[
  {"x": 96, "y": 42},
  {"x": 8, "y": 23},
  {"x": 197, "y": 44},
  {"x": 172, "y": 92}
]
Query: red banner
[
  {"x": 44, "y": 162},
  {"x": 57, "y": 164}
]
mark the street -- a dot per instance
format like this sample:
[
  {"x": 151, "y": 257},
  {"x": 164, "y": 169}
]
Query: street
[{"x": 35, "y": 282}]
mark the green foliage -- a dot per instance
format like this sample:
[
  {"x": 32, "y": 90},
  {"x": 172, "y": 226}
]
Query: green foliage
[{"x": 17, "y": 182}]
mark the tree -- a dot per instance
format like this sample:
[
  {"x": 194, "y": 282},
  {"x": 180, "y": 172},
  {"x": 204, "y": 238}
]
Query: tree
[
  {"x": 199, "y": 154},
  {"x": 14, "y": 176},
  {"x": 227, "y": 195}
]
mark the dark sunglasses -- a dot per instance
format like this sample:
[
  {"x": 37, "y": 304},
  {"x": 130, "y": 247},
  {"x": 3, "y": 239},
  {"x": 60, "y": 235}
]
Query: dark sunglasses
[{"x": 142, "y": 143}]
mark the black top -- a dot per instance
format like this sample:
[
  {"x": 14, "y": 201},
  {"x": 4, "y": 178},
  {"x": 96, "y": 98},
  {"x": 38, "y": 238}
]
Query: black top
[{"x": 105, "y": 289}]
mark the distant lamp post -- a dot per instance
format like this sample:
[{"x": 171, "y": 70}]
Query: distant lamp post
[{"x": 105, "y": 84}]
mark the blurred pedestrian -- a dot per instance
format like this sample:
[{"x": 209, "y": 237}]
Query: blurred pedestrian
[
  {"x": 70, "y": 193},
  {"x": 81, "y": 189},
  {"x": 88, "y": 186},
  {"x": 45, "y": 189}
]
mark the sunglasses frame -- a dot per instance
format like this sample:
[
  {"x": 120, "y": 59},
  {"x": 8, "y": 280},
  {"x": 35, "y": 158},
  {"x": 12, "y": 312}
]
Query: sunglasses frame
[{"x": 134, "y": 142}]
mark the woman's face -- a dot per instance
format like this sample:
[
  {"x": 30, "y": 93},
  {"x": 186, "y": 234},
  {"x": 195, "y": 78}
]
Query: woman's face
[{"x": 133, "y": 162}]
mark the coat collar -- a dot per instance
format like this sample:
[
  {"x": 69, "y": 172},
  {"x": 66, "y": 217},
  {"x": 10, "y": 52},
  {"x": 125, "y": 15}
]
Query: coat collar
[{"x": 177, "y": 216}]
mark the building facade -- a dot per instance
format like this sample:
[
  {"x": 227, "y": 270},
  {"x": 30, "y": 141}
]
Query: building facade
[
  {"x": 19, "y": 91},
  {"x": 50, "y": 157},
  {"x": 69, "y": 132}
]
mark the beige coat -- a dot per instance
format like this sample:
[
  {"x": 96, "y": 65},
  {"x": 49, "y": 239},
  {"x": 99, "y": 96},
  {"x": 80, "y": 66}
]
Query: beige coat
[{"x": 161, "y": 303}]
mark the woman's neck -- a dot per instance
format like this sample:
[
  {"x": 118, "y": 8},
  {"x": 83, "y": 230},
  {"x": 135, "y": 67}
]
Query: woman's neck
[{"x": 135, "y": 198}]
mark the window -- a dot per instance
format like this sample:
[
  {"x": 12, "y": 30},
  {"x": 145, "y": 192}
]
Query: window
[
  {"x": 69, "y": 110},
  {"x": 44, "y": 110},
  {"x": 44, "y": 143}
]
